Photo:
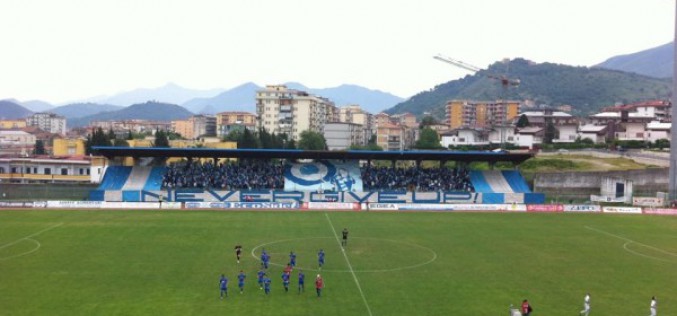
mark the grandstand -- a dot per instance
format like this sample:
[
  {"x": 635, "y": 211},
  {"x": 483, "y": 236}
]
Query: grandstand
[{"x": 310, "y": 176}]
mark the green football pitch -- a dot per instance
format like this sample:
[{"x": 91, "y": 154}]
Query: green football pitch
[{"x": 169, "y": 263}]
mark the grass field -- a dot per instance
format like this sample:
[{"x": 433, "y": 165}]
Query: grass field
[{"x": 169, "y": 263}]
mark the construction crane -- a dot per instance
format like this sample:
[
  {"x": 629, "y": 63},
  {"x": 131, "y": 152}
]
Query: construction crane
[{"x": 506, "y": 82}]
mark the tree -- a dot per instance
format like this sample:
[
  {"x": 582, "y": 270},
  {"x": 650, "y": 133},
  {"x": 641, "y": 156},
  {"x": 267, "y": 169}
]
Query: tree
[
  {"x": 97, "y": 138},
  {"x": 662, "y": 143},
  {"x": 278, "y": 140},
  {"x": 129, "y": 135},
  {"x": 233, "y": 136},
  {"x": 265, "y": 139},
  {"x": 427, "y": 121},
  {"x": 550, "y": 133},
  {"x": 111, "y": 135},
  {"x": 161, "y": 140},
  {"x": 39, "y": 147},
  {"x": 428, "y": 139},
  {"x": 291, "y": 144},
  {"x": 310, "y": 140},
  {"x": 248, "y": 140},
  {"x": 120, "y": 143},
  {"x": 523, "y": 121}
]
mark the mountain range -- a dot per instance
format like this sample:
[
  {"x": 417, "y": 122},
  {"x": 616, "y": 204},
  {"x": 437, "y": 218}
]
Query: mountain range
[
  {"x": 10, "y": 110},
  {"x": 155, "y": 111},
  {"x": 655, "y": 62},
  {"x": 242, "y": 98},
  {"x": 624, "y": 78},
  {"x": 169, "y": 93}
]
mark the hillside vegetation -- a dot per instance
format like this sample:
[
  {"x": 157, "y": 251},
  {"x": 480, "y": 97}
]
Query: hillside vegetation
[{"x": 586, "y": 89}]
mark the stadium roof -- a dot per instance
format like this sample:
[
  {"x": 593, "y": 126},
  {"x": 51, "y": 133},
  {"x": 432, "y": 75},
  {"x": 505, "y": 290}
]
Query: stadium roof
[{"x": 434, "y": 155}]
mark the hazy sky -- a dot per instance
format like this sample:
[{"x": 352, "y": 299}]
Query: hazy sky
[{"x": 63, "y": 50}]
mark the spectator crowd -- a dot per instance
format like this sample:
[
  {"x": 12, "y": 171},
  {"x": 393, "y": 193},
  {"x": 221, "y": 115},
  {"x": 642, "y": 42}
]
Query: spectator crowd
[
  {"x": 262, "y": 174},
  {"x": 241, "y": 175},
  {"x": 416, "y": 179}
]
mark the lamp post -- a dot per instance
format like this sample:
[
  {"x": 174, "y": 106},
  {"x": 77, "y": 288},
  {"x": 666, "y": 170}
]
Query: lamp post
[{"x": 673, "y": 129}]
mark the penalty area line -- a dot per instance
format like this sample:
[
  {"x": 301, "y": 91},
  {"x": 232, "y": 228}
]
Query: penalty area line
[
  {"x": 32, "y": 235},
  {"x": 350, "y": 267},
  {"x": 630, "y": 241}
]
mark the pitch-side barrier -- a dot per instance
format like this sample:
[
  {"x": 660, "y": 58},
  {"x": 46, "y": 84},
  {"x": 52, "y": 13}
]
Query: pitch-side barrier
[{"x": 338, "y": 206}]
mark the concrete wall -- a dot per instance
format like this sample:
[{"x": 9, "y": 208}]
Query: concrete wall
[{"x": 563, "y": 182}]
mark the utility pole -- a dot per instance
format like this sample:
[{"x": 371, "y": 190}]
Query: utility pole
[{"x": 673, "y": 128}]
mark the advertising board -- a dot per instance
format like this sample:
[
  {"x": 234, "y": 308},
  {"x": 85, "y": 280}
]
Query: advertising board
[
  {"x": 582, "y": 208},
  {"x": 330, "y": 206},
  {"x": 622, "y": 210},
  {"x": 660, "y": 211},
  {"x": 74, "y": 204},
  {"x": 545, "y": 208}
]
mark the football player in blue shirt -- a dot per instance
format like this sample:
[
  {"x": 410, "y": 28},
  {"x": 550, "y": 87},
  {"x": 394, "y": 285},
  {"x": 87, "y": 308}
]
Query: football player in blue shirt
[
  {"x": 261, "y": 274},
  {"x": 265, "y": 258},
  {"x": 240, "y": 280},
  {"x": 302, "y": 280},
  {"x": 223, "y": 285},
  {"x": 320, "y": 258},
  {"x": 266, "y": 285},
  {"x": 285, "y": 281},
  {"x": 292, "y": 259}
]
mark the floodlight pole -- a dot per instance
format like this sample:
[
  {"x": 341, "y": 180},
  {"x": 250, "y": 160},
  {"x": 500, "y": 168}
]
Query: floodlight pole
[{"x": 673, "y": 127}]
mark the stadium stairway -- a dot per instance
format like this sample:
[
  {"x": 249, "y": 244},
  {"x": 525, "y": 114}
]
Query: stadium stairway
[
  {"x": 137, "y": 178},
  {"x": 516, "y": 181},
  {"x": 154, "y": 182},
  {"x": 479, "y": 183},
  {"x": 115, "y": 178},
  {"x": 497, "y": 182}
]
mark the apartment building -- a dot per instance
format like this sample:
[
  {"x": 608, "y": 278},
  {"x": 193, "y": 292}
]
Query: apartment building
[
  {"x": 227, "y": 122},
  {"x": 480, "y": 114},
  {"x": 12, "y": 124},
  {"x": 390, "y": 136},
  {"x": 196, "y": 126},
  {"x": 68, "y": 147},
  {"x": 121, "y": 127},
  {"x": 48, "y": 122},
  {"x": 565, "y": 124},
  {"x": 81, "y": 169},
  {"x": 282, "y": 110},
  {"x": 340, "y": 135},
  {"x": 14, "y": 143},
  {"x": 356, "y": 115}
]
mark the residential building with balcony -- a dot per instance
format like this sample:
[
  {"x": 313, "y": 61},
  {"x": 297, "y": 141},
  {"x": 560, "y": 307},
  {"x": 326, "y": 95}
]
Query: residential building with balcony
[
  {"x": 227, "y": 122},
  {"x": 281, "y": 110},
  {"x": 48, "y": 122},
  {"x": 68, "y": 147},
  {"x": 196, "y": 126},
  {"x": 122, "y": 127},
  {"x": 16, "y": 143},
  {"x": 390, "y": 136},
  {"x": 341, "y": 136},
  {"x": 480, "y": 114},
  {"x": 565, "y": 124},
  {"x": 356, "y": 115},
  {"x": 81, "y": 169},
  {"x": 12, "y": 124}
]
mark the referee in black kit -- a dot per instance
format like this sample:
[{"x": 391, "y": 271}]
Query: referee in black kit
[{"x": 344, "y": 242}]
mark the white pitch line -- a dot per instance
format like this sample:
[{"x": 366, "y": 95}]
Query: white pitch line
[
  {"x": 32, "y": 235},
  {"x": 632, "y": 241},
  {"x": 37, "y": 244},
  {"x": 350, "y": 267}
]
